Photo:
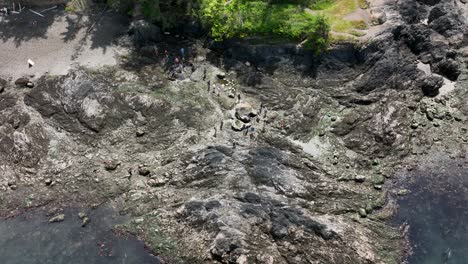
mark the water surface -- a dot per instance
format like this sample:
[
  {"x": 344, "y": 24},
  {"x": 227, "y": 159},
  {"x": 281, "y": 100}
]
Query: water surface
[
  {"x": 437, "y": 213},
  {"x": 30, "y": 238}
]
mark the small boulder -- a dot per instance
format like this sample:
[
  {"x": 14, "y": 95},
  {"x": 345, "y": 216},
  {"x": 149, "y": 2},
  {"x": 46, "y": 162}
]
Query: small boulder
[
  {"x": 143, "y": 171},
  {"x": 379, "y": 17},
  {"x": 430, "y": 85},
  {"x": 140, "y": 133},
  {"x": 237, "y": 125},
  {"x": 22, "y": 82},
  {"x": 158, "y": 182},
  {"x": 378, "y": 187},
  {"x": 11, "y": 183},
  {"x": 48, "y": 181},
  {"x": 362, "y": 212},
  {"x": 82, "y": 215},
  {"x": 85, "y": 221},
  {"x": 403, "y": 192},
  {"x": 221, "y": 75},
  {"x": 279, "y": 231},
  {"x": 224, "y": 244},
  {"x": 212, "y": 205},
  {"x": 360, "y": 178},
  {"x": 57, "y": 218},
  {"x": 378, "y": 179},
  {"x": 111, "y": 165}
]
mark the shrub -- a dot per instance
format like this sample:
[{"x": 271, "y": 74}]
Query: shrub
[{"x": 241, "y": 18}]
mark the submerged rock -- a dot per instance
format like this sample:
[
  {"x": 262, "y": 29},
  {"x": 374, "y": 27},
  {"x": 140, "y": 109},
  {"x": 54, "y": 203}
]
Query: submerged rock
[{"x": 57, "y": 218}]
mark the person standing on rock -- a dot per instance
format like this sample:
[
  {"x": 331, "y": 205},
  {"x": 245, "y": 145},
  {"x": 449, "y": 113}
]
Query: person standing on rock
[
  {"x": 209, "y": 84},
  {"x": 182, "y": 53},
  {"x": 220, "y": 89}
]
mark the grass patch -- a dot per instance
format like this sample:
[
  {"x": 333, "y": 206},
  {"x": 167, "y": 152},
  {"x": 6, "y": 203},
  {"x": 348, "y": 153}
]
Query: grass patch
[
  {"x": 363, "y": 4},
  {"x": 321, "y": 4},
  {"x": 357, "y": 33},
  {"x": 359, "y": 24},
  {"x": 335, "y": 39},
  {"x": 336, "y": 10}
]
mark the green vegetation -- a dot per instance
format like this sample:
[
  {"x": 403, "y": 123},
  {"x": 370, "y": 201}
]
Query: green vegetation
[
  {"x": 77, "y": 5},
  {"x": 336, "y": 10},
  {"x": 286, "y": 19},
  {"x": 305, "y": 21}
]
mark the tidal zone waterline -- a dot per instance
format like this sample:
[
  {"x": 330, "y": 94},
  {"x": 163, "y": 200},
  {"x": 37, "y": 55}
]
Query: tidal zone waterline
[
  {"x": 433, "y": 208},
  {"x": 30, "y": 238}
]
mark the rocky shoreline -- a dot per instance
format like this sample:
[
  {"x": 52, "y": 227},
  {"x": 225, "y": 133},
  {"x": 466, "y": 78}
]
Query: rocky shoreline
[{"x": 248, "y": 153}]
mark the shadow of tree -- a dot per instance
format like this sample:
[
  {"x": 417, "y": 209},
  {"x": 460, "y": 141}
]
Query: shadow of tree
[
  {"x": 27, "y": 26},
  {"x": 73, "y": 27},
  {"x": 105, "y": 31}
]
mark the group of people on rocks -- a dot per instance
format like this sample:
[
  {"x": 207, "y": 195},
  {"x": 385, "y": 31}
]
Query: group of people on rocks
[
  {"x": 178, "y": 62},
  {"x": 177, "y": 66}
]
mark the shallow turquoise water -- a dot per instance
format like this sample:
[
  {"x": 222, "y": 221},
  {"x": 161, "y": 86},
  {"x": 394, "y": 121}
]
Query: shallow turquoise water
[
  {"x": 30, "y": 238},
  {"x": 437, "y": 213}
]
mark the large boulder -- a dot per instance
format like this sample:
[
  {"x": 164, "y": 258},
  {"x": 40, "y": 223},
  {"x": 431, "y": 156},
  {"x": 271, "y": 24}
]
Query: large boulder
[
  {"x": 144, "y": 33},
  {"x": 409, "y": 11},
  {"x": 244, "y": 112},
  {"x": 445, "y": 19},
  {"x": 430, "y": 85},
  {"x": 448, "y": 68}
]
